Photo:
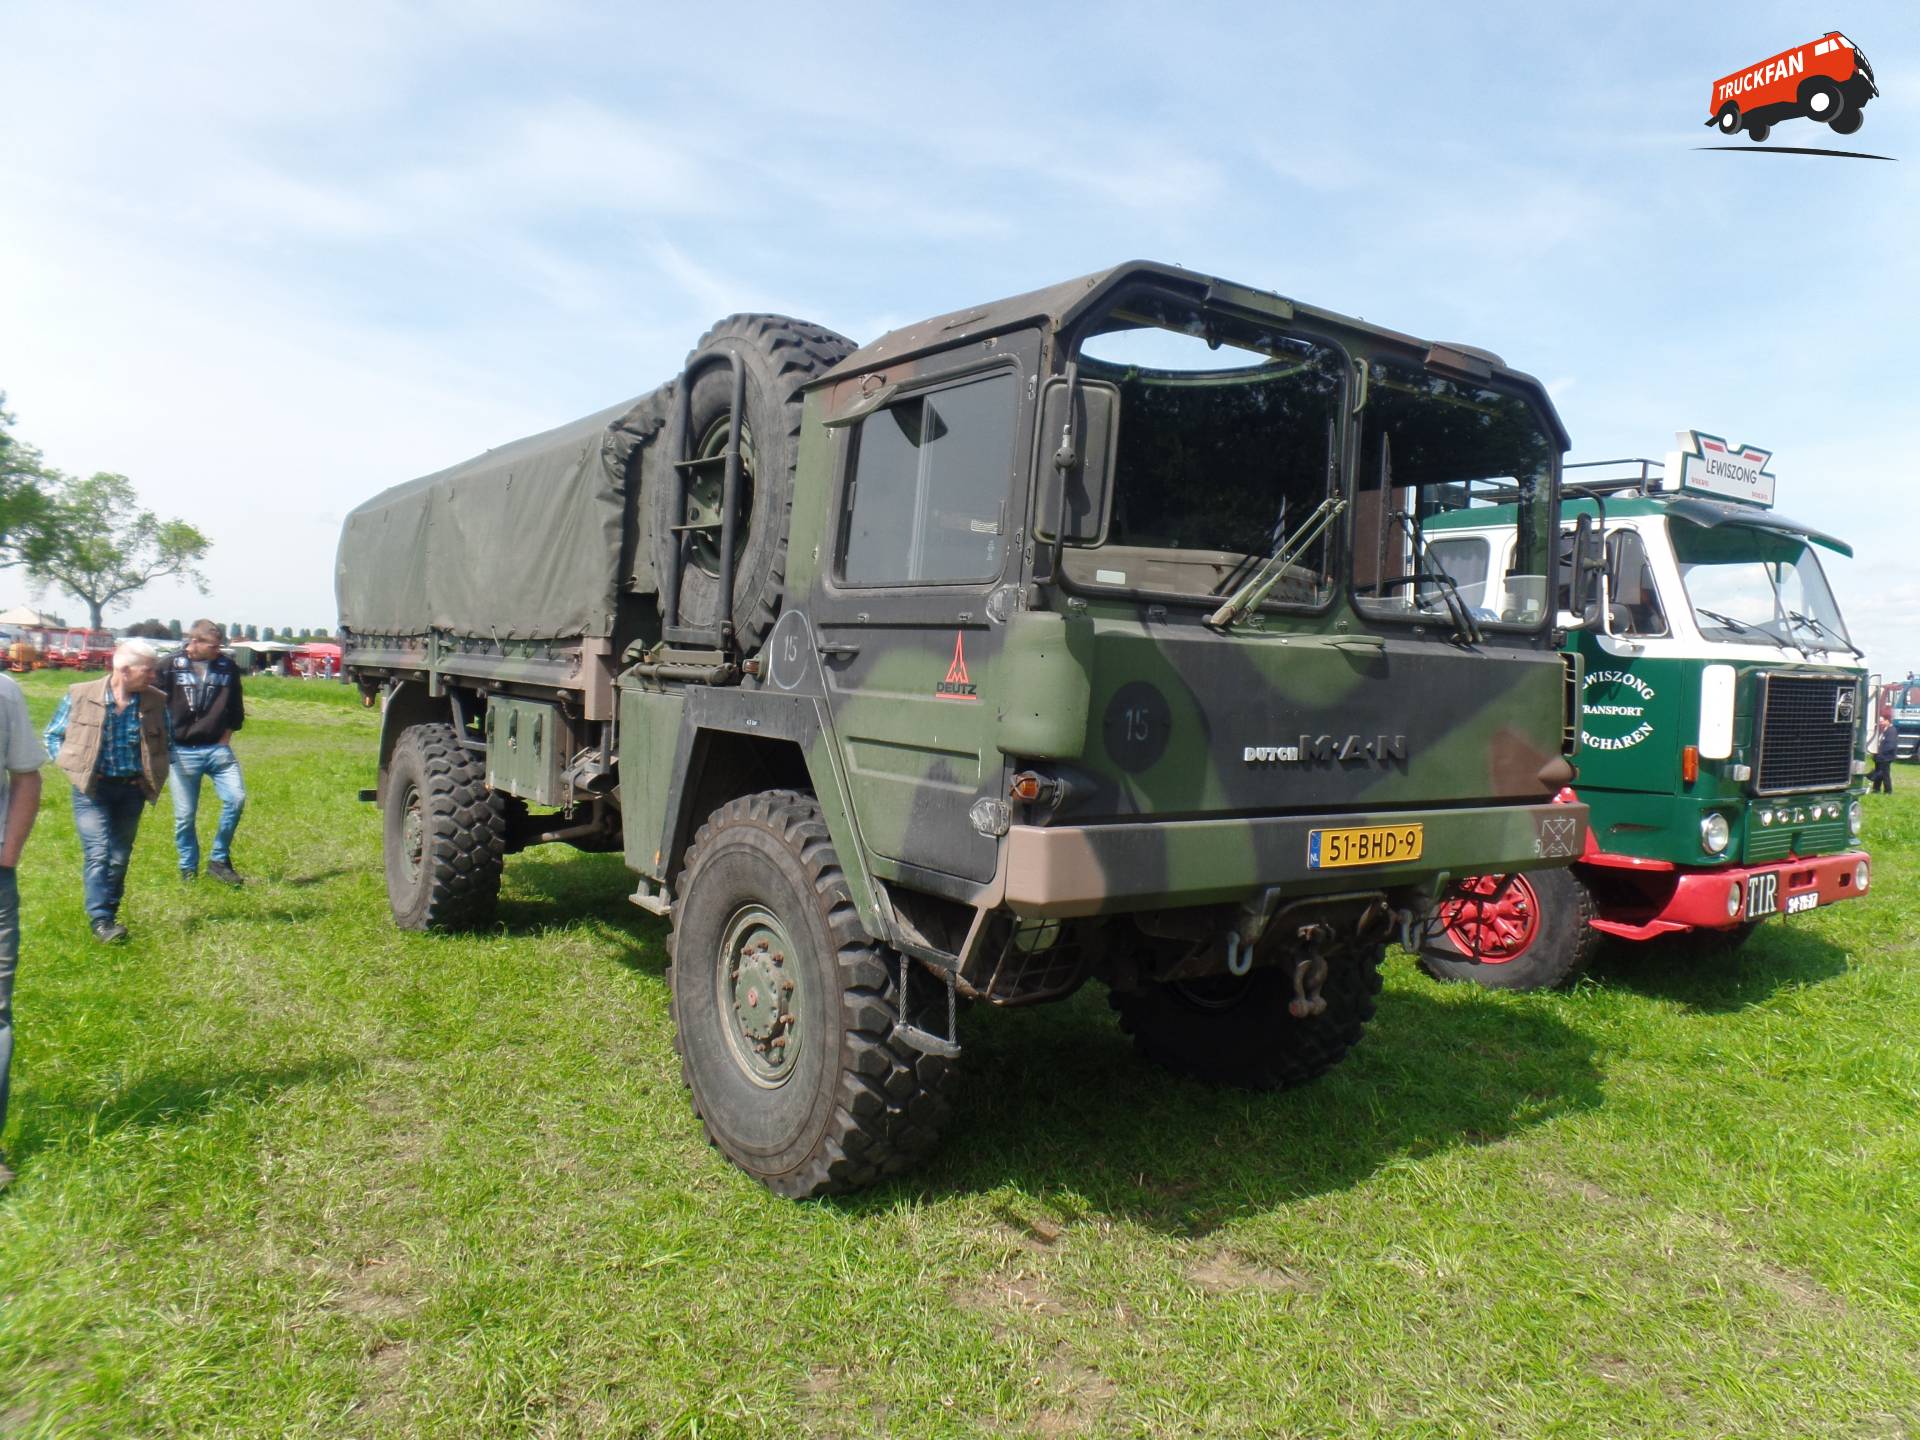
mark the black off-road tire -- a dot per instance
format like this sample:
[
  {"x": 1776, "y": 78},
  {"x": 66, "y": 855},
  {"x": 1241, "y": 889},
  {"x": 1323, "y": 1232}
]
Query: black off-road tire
[
  {"x": 780, "y": 355},
  {"x": 1848, "y": 122},
  {"x": 1563, "y": 944},
  {"x": 1728, "y": 120},
  {"x": 1236, "y": 1030},
  {"x": 857, "y": 1104},
  {"x": 443, "y": 873}
]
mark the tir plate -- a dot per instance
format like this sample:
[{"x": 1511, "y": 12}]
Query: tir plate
[{"x": 1363, "y": 845}]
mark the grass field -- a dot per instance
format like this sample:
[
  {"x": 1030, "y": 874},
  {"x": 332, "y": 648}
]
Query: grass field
[{"x": 285, "y": 1171}]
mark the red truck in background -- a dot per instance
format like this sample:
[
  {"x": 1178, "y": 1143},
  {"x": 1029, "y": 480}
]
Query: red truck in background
[
  {"x": 81, "y": 650},
  {"x": 1827, "y": 81}
]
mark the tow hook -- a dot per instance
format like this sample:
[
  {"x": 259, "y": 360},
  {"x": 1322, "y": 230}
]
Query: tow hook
[{"x": 1310, "y": 973}]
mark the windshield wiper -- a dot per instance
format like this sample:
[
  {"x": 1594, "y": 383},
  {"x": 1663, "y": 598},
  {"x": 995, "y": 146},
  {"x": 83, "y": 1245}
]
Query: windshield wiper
[
  {"x": 1820, "y": 627},
  {"x": 1465, "y": 627},
  {"x": 1741, "y": 625},
  {"x": 1260, "y": 584}
]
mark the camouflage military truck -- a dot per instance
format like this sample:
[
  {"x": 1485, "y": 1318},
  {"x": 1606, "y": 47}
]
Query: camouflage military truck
[{"x": 1079, "y": 635}]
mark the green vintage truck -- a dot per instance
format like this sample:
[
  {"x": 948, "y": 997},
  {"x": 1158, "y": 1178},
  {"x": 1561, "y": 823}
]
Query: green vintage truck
[
  {"x": 1721, "y": 714},
  {"x": 1073, "y": 636}
]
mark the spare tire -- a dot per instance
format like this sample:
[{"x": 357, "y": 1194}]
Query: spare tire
[{"x": 780, "y": 355}]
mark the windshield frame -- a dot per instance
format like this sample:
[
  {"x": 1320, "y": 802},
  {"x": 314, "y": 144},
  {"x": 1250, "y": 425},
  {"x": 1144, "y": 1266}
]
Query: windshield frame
[
  {"x": 1547, "y": 502},
  {"x": 1789, "y": 637},
  {"x": 1234, "y": 323}
]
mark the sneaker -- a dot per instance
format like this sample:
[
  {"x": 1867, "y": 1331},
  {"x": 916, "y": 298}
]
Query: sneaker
[
  {"x": 223, "y": 872},
  {"x": 109, "y": 932}
]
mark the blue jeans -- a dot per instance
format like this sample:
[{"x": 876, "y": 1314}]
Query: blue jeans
[
  {"x": 216, "y": 762},
  {"x": 107, "y": 820},
  {"x": 9, "y": 962}
]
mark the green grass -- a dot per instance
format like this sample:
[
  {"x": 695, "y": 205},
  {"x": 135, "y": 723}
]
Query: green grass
[{"x": 285, "y": 1171}]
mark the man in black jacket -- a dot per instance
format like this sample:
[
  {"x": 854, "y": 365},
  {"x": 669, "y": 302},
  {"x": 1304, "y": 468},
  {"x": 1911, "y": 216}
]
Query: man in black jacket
[{"x": 203, "y": 696}]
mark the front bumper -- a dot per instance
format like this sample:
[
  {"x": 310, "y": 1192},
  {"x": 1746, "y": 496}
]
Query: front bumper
[
  {"x": 1071, "y": 870},
  {"x": 1699, "y": 899}
]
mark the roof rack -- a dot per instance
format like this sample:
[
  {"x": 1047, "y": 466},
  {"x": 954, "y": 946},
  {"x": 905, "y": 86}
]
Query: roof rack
[{"x": 1646, "y": 477}]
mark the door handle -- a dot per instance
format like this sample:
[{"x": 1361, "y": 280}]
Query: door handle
[
  {"x": 1373, "y": 643},
  {"x": 830, "y": 650}
]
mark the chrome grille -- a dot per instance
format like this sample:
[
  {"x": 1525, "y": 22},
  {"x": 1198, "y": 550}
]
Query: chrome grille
[{"x": 1803, "y": 746}]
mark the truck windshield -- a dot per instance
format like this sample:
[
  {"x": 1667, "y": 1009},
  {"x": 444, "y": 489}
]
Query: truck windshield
[
  {"x": 1757, "y": 586},
  {"x": 1433, "y": 446},
  {"x": 1225, "y": 450}
]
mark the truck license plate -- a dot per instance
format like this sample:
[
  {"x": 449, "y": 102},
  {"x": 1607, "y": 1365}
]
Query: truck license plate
[
  {"x": 1763, "y": 894},
  {"x": 1363, "y": 845},
  {"x": 1798, "y": 903}
]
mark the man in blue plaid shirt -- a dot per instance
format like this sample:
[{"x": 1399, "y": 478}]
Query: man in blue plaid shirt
[{"x": 112, "y": 739}]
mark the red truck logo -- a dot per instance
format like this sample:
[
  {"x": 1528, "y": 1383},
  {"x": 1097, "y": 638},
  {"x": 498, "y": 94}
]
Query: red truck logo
[{"x": 1826, "y": 80}]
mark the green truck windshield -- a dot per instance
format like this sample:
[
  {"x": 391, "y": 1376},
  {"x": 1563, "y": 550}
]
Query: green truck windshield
[{"x": 1755, "y": 586}]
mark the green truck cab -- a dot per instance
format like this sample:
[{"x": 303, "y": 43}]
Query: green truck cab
[
  {"x": 1073, "y": 636},
  {"x": 1722, "y": 711}
]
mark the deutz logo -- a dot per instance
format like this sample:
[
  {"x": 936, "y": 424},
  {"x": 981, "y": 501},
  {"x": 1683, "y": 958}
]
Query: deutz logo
[
  {"x": 957, "y": 686},
  {"x": 1324, "y": 749}
]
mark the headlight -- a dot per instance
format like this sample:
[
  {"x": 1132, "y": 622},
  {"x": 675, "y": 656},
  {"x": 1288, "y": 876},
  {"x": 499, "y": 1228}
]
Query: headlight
[
  {"x": 1860, "y": 875},
  {"x": 1714, "y": 832},
  {"x": 1733, "y": 901},
  {"x": 1854, "y": 816}
]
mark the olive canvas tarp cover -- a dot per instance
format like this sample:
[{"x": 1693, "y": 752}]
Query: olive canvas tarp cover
[{"x": 533, "y": 540}]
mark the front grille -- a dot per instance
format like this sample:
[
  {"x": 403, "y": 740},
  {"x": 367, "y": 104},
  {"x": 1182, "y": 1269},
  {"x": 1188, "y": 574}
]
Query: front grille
[{"x": 1803, "y": 746}]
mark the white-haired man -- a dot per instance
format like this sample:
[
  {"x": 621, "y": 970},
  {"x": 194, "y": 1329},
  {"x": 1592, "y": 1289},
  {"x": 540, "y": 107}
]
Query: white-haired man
[{"x": 112, "y": 740}]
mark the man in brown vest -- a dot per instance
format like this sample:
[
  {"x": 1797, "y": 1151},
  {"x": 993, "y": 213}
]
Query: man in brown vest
[{"x": 111, "y": 739}]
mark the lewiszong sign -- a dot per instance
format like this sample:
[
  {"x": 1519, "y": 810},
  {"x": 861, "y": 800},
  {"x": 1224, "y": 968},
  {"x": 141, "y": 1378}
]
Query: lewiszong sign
[{"x": 1707, "y": 465}]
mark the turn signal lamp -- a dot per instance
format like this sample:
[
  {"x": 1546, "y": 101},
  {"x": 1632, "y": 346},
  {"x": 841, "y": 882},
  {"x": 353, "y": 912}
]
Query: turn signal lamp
[
  {"x": 1025, "y": 786},
  {"x": 1690, "y": 763}
]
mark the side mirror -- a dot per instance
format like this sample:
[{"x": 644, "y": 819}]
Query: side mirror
[
  {"x": 1088, "y": 479},
  {"x": 1588, "y": 594}
]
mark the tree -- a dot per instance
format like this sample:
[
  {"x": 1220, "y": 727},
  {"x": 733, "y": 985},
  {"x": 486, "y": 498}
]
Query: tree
[
  {"x": 252, "y": 634},
  {"x": 175, "y": 630},
  {"x": 25, "y": 507},
  {"x": 149, "y": 630},
  {"x": 103, "y": 547}
]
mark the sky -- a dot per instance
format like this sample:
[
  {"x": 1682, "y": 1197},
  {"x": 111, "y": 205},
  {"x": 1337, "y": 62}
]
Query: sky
[{"x": 267, "y": 261}]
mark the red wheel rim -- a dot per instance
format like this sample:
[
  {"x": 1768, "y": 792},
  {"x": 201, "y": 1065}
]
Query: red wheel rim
[{"x": 1492, "y": 918}]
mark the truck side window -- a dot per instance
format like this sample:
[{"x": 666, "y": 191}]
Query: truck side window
[
  {"x": 1636, "y": 602},
  {"x": 930, "y": 487}
]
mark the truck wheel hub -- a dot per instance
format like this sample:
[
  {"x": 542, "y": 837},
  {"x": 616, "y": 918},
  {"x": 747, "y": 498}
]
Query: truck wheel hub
[
  {"x": 763, "y": 991},
  {"x": 1492, "y": 918},
  {"x": 413, "y": 834}
]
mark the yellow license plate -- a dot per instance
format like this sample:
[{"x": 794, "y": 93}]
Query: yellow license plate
[{"x": 1363, "y": 845}]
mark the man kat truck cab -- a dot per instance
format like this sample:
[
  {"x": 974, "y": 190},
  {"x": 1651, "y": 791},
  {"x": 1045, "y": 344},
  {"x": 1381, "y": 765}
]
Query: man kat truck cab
[
  {"x": 1072, "y": 636},
  {"x": 1722, "y": 709}
]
